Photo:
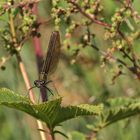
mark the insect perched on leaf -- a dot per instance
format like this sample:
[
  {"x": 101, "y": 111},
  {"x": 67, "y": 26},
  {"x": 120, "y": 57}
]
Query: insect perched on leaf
[{"x": 50, "y": 61}]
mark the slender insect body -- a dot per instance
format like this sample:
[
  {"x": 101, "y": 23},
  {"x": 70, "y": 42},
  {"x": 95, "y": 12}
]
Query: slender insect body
[{"x": 50, "y": 61}]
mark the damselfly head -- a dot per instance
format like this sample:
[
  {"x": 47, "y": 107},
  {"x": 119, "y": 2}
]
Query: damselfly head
[{"x": 39, "y": 83}]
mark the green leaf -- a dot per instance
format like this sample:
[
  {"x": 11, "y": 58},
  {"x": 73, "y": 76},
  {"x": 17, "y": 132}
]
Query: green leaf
[
  {"x": 120, "y": 108},
  {"x": 50, "y": 112}
]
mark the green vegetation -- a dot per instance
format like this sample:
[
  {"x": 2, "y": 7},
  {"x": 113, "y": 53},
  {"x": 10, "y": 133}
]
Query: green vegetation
[{"x": 96, "y": 83}]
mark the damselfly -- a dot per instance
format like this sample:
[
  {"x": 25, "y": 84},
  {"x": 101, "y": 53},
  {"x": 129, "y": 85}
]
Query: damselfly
[{"x": 50, "y": 61}]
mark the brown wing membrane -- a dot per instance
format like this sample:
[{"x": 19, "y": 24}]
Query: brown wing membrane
[{"x": 52, "y": 55}]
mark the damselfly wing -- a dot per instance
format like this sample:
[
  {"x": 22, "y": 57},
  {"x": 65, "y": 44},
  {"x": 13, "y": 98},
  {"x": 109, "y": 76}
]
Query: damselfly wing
[{"x": 50, "y": 61}]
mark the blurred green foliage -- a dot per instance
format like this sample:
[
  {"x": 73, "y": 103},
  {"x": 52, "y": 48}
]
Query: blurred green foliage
[{"x": 84, "y": 81}]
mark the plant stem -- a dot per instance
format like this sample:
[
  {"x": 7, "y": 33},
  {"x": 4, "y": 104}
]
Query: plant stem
[
  {"x": 23, "y": 70},
  {"x": 88, "y": 15},
  {"x": 39, "y": 55},
  {"x": 52, "y": 134}
]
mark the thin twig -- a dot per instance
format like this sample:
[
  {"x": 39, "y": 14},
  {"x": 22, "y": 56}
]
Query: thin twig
[
  {"x": 109, "y": 55},
  {"x": 21, "y": 4},
  {"x": 133, "y": 59},
  {"x": 28, "y": 34},
  {"x": 88, "y": 15},
  {"x": 129, "y": 4},
  {"x": 25, "y": 77},
  {"x": 92, "y": 18}
]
